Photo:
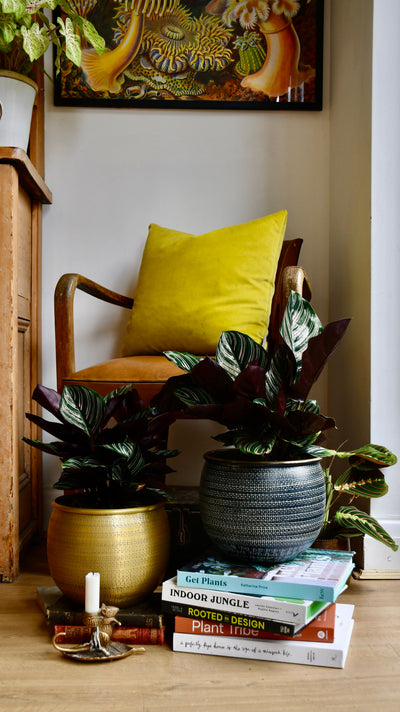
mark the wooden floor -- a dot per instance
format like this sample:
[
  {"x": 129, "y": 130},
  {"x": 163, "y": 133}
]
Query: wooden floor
[{"x": 36, "y": 678}]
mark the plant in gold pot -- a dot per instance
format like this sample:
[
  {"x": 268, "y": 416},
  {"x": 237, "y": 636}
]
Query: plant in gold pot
[
  {"x": 263, "y": 497},
  {"x": 26, "y": 32},
  {"x": 112, "y": 519}
]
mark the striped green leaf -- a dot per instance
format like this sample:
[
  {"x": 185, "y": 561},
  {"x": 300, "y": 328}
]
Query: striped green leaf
[
  {"x": 300, "y": 323},
  {"x": 308, "y": 406},
  {"x": 82, "y": 407},
  {"x": 76, "y": 464},
  {"x": 191, "y": 396},
  {"x": 275, "y": 375},
  {"x": 354, "y": 522},
  {"x": 377, "y": 454},
  {"x": 236, "y": 350},
  {"x": 133, "y": 460},
  {"x": 118, "y": 392},
  {"x": 362, "y": 483},
  {"x": 183, "y": 360},
  {"x": 254, "y": 444},
  {"x": 248, "y": 442},
  {"x": 319, "y": 451}
]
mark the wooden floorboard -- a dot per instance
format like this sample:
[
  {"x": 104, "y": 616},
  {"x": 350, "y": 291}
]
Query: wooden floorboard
[{"x": 36, "y": 678}]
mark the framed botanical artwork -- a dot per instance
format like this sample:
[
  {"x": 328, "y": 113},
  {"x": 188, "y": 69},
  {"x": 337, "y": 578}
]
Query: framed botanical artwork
[{"x": 199, "y": 54}]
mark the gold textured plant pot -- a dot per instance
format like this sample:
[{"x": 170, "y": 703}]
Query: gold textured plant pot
[{"x": 128, "y": 547}]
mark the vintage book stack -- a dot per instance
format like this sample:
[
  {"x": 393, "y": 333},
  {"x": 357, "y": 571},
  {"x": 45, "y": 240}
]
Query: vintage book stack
[
  {"x": 286, "y": 612},
  {"x": 143, "y": 623}
]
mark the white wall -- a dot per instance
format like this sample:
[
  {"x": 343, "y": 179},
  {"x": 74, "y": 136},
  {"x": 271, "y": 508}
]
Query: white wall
[
  {"x": 350, "y": 195},
  {"x": 385, "y": 254},
  {"x": 112, "y": 171},
  {"x": 364, "y": 247}
]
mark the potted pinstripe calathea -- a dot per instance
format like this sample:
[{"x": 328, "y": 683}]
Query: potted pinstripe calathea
[
  {"x": 111, "y": 518},
  {"x": 267, "y": 495}
]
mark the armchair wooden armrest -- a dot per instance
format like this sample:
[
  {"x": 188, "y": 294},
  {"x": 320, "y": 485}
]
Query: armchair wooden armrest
[
  {"x": 64, "y": 317},
  {"x": 295, "y": 279}
]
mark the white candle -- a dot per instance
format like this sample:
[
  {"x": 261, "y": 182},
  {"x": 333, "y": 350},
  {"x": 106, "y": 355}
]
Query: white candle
[{"x": 92, "y": 592}]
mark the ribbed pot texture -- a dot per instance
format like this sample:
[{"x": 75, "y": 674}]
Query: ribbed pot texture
[{"x": 258, "y": 511}]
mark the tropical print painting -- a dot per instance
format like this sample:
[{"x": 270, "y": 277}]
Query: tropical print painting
[{"x": 262, "y": 54}]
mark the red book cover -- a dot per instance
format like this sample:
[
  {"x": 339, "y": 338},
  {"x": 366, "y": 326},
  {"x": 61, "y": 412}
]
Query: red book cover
[
  {"x": 129, "y": 636},
  {"x": 320, "y": 630}
]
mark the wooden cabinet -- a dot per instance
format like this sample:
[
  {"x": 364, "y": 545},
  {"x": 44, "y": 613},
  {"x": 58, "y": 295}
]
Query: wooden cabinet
[{"x": 22, "y": 192}]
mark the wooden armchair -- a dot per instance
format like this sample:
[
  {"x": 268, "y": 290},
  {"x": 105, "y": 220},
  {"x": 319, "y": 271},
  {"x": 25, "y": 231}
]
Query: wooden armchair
[{"x": 148, "y": 373}]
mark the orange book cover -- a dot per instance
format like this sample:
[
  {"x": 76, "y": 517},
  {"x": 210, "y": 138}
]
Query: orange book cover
[{"x": 320, "y": 630}]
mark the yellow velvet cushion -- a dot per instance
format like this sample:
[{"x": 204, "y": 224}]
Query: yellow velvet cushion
[{"x": 193, "y": 287}]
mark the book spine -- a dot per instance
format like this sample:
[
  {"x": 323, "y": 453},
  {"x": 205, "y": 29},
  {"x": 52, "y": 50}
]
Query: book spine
[
  {"x": 308, "y": 654},
  {"x": 254, "y": 606},
  {"x": 317, "y": 631},
  {"x": 128, "y": 620},
  {"x": 140, "y": 620},
  {"x": 258, "y": 587},
  {"x": 130, "y": 636},
  {"x": 228, "y": 618}
]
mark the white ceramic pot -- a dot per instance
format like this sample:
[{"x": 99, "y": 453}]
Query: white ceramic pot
[{"x": 17, "y": 97}]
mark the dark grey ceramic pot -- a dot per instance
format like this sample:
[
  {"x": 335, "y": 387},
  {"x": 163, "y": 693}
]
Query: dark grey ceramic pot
[{"x": 258, "y": 511}]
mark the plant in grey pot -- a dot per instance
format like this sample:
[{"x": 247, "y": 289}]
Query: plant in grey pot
[
  {"x": 263, "y": 497},
  {"x": 112, "y": 519},
  {"x": 26, "y": 32}
]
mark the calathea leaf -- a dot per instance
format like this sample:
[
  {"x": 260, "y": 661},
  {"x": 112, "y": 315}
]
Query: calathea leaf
[
  {"x": 192, "y": 396},
  {"x": 183, "y": 360},
  {"x": 77, "y": 464},
  {"x": 355, "y": 522},
  {"x": 67, "y": 433},
  {"x": 300, "y": 323},
  {"x": 236, "y": 350},
  {"x": 280, "y": 371},
  {"x": 60, "y": 449},
  {"x": 211, "y": 377},
  {"x": 82, "y": 408},
  {"x": 377, "y": 454},
  {"x": 250, "y": 383},
  {"x": 47, "y": 398},
  {"x": 316, "y": 354},
  {"x": 362, "y": 483},
  {"x": 305, "y": 423},
  {"x": 319, "y": 451}
]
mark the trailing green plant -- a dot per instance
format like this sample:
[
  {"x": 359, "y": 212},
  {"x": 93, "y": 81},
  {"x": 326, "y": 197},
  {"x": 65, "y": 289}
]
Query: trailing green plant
[
  {"x": 262, "y": 398},
  {"x": 109, "y": 446},
  {"x": 26, "y": 32},
  {"x": 362, "y": 479}
]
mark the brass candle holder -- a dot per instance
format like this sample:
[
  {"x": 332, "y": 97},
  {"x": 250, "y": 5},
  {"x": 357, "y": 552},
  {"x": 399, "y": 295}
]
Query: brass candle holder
[{"x": 100, "y": 647}]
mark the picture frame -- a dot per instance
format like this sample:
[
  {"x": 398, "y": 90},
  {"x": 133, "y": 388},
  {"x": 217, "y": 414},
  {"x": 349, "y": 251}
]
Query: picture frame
[{"x": 191, "y": 54}]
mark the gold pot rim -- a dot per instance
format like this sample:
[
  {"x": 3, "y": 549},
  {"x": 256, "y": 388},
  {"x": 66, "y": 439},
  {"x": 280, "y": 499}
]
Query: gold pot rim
[{"x": 103, "y": 512}]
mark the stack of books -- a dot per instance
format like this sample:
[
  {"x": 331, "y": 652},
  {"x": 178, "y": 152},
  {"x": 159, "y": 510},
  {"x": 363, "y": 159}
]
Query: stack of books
[
  {"x": 143, "y": 623},
  {"x": 286, "y": 612}
]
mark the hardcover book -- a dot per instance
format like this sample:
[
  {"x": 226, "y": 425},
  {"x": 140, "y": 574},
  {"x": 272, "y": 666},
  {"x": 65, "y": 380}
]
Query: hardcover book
[
  {"x": 289, "y": 651},
  {"x": 315, "y": 574},
  {"x": 321, "y": 629},
  {"x": 277, "y": 614},
  {"x": 129, "y": 636},
  {"x": 58, "y": 609}
]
